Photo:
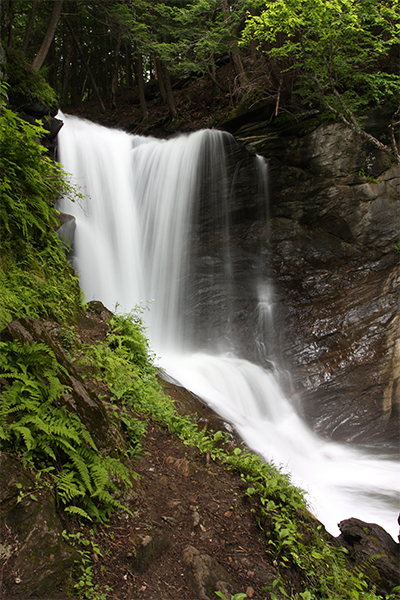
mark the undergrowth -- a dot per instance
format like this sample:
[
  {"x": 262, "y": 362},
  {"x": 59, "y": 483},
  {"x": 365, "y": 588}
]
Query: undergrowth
[
  {"x": 36, "y": 424},
  {"x": 34, "y": 276}
]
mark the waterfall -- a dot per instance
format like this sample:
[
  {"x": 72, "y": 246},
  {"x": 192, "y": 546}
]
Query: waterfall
[{"x": 143, "y": 204}]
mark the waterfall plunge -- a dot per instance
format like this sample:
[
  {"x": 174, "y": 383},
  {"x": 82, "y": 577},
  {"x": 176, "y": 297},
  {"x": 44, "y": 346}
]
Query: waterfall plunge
[{"x": 133, "y": 244}]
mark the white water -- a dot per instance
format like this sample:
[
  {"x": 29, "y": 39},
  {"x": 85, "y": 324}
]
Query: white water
[{"x": 132, "y": 245}]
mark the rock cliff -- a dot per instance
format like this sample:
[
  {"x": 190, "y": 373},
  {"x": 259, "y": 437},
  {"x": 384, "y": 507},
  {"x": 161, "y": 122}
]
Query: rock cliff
[{"x": 328, "y": 243}]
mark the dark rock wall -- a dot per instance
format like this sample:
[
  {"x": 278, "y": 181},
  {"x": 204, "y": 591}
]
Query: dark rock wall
[{"x": 328, "y": 243}]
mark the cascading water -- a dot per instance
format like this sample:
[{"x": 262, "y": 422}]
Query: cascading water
[{"x": 136, "y": 222}]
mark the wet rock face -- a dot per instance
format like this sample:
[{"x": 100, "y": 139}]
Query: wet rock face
[
  {"x": 325, "y": 250},
  {"x": 369, "y": 544},
  {"x": 333, "y": 238}
]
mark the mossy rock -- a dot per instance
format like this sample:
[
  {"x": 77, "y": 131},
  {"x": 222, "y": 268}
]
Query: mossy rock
[{"x": 40, "y": 561}]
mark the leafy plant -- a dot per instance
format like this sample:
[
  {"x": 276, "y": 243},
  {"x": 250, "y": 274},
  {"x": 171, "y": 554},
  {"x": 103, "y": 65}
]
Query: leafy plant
[
  {"x": 239, "y": 596},
  {"x": 35, "y": 423},
  {"x": 340, "y": 53},
  {"x": 35, "y": 278},
  {"x": 86, "y": 548},
  {"x": 31, "y": 183}
]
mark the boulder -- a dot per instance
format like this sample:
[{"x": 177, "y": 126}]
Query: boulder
[
  {"x": 37, "y": 562},
  {"x": 145, "y": 549},
  {"x": 373, "y": 550},
  {"x": 207, "y": 575},
  {"x": 66, "y": 232}
]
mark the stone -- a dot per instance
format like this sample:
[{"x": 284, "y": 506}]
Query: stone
[
  {"x": 41, "y": 561},
  {"x": 66, "y": 232},
  {"x": 207, "y": 575},
  {"x": 374, "y": 550},
  {"x": 180, "y": 464},
  {"x": 145, "y": 549},
  {"x": 99, "y": 309}
]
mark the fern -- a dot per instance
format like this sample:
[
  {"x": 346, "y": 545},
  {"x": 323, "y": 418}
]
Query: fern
[
  {"x": 77, "y": 510},
  {"x": 45, "y": 434}
]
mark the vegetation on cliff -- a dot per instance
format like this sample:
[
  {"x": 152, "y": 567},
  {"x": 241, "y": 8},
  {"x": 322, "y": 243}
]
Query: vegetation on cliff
[
  {"x": 35, "y": 278},
  {"x": 292, "y": 55},
  {"x": 337, "y": 54}
]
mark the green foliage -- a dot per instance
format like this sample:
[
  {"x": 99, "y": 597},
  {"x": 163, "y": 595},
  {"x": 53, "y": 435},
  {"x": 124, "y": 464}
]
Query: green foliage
[
  {"x": 295, "y": 539},
  {"x": 25, "y": 82},
  {"x": 34, "y": 275},
  {"x": 31, "y": 183},
  {"x": 86, "y": 549},
  {"x": 40, "y": 284},
  {"x": 342, "y": 52},
  {"x": 239, "y": 596},
  {"x": 35, "y": 423}
]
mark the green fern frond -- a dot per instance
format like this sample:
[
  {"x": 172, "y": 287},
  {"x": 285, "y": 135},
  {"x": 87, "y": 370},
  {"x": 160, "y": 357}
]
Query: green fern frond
[
  {"x": 119, "y": 470},
  {"x": 25, "y": 433},
  {"x": 3, "y": 434},
  {"x": 82, "y": 470},
  {"x": 107, "y": 499},
  {"x": 99, "y": 475},
  {"x": 67, "y": 487},
  {"x": 47, "y": 449},
  {"x": 98, "y": 514},
  {"x": 77, "y": 510}
]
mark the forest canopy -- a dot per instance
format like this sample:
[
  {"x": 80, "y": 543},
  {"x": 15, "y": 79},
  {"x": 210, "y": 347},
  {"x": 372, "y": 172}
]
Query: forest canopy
[{"x": 339, "y": 56}]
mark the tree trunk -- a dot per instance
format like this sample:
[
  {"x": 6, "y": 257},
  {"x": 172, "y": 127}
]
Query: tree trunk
[
  {"x": 170, "y": 94},
  {"x": 89, "y": 72},
  {"x": 213, "y": 76},
  {"x": 160, "y": 79},
  {"x": 241, "y": 76},
  {"x": 48, "y": 38},
  {"x": 239, "y": 68},
  {"x": 7, "y": 17},
  {"x": 29, "y": 27},
  {"x": 53, "y": 65},
  {"x": 4, "y": 25},
  {"x": 141, "y": 85}
]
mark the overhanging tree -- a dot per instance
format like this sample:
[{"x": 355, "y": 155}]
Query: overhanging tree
[{"x": 343, "y": 54}]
